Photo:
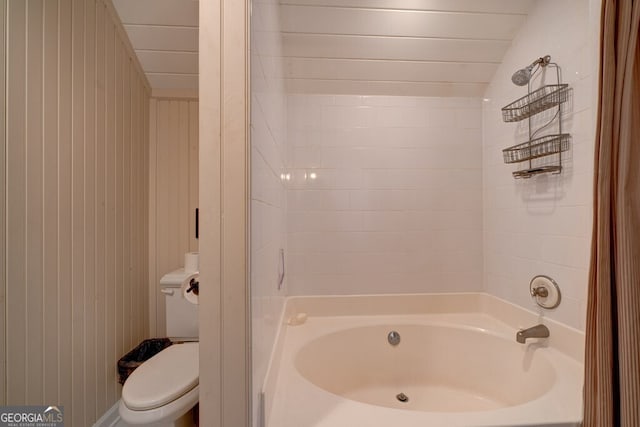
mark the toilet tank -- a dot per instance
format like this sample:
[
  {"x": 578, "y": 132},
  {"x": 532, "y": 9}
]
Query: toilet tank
[{"x": 181, "y": 314}]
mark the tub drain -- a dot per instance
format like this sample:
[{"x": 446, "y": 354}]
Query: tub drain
[
  {"x": 394, "y": 338},
  {"x": 402, "y": 397}
]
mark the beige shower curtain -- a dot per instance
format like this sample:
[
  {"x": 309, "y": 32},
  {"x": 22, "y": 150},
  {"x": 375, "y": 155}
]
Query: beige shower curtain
[{"x": 612, "y": 357}]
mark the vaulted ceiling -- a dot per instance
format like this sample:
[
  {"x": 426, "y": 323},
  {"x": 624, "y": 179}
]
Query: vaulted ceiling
[{"x": 418, "y": 47}]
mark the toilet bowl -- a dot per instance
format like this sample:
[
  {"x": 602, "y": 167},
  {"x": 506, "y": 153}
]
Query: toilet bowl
[{"x": 164, "y": 389}]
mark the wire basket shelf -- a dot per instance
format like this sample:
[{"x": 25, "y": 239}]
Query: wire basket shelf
[
  {"x": 539, "y": 147},
  {"x": 546, "y": 97},
  {"x": 528, "y": 173}
]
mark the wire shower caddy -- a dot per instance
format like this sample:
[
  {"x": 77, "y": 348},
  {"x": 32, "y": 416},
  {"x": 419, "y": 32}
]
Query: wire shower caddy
[{"x": 534, "y": 102}]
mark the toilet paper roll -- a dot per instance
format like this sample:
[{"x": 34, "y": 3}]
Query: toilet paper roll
[
  {"x": 191, "y": 262},
  {"x": 191, "y": 297}
]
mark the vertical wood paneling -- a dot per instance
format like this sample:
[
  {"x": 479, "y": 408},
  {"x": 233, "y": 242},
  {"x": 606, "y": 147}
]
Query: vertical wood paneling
[
  {"x": 117, "y": 174},
  {"x": 226, "y": 373},
  {"x": 126, "y": 205},
  {"x": 51, "y": 189},
  {"x": 173, "y": 193},
  {"x": 147, "y": 206},
  {"x": 75, "y": 204},
  {"x": 34, "y": 171},
  {"x": 144, "y": 156},
  {"x": 16, "y": 203},
  {"x": 162, "y": 209},
  {"x": 90, "y": 382},
  {"x": 64, "y": 205},
  {"x": 110, "y": 143},
  {"x": 172, "y": 197},
  {"x": 100, "y": 331},
  {"x": 182, "y": 149},
  {"x": 3, "y": 145},
  {"x": 132, "y": 236},
  {"x": 193, "y": 173},
  {"x": 140, "y": 198},
  {"x": 210, "y": 129},
  {"x": 152, "y": 255},
  {"x": 235, "y": 327},
  {"x": 135, "y": 256},
  {"x": 143, "y": 218},
  {"x": 77, "y": 212}
]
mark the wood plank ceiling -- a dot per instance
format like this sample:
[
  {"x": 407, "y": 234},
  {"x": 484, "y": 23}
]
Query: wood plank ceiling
[
  {"x": 164, "y": 35},
  {"x": 394, "y": 47}
]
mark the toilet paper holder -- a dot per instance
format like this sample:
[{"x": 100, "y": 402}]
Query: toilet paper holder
[{"x": 193, "y": 286}]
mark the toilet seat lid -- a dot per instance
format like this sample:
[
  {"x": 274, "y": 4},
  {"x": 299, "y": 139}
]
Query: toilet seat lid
[{"x": 162, "y": 379}]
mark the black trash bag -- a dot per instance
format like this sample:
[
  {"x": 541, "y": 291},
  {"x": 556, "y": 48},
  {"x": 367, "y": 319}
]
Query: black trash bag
[{"x": 144, "y": 351}]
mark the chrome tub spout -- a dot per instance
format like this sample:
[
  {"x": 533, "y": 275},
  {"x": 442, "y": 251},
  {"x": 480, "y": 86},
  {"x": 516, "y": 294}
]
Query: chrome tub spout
[{"x": 538, "y": 331}]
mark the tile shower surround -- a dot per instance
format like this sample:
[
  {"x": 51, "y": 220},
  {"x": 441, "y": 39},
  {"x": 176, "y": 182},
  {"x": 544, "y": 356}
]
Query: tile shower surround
[
  {"x": 410, "y": 194},
  {"x": 384, "y": 194},
  {"x": 543, "y": 225}
]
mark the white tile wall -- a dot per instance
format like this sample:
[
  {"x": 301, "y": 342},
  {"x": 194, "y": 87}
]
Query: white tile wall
[
  {"x": 543, "y": 225},
  {"x": 268, "y": 201},
  {"x": 385, "y": 194}
]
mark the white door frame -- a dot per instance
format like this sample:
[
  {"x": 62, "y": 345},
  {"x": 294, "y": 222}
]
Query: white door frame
[{"x": 225, "y": 334}]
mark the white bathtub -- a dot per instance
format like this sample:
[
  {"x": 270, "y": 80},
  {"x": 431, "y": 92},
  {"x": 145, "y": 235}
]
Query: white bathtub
[{"x": 458, "y": 364}]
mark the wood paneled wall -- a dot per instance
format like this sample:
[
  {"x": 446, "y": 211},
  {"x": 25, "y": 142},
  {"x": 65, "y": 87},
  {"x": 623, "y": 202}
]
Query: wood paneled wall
[
  {"x": 3, "y": 145},
  {"x": 173, "y": 179},
  {"x": 76, "y": 200}
]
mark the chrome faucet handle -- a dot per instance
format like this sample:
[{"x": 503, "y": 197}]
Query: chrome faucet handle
[
  {"x": 539, "y": 291},
  {"x": 545, "y": 291}
]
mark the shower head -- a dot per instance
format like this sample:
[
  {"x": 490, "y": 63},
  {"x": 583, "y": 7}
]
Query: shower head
[{"x": 522, "y": 76}]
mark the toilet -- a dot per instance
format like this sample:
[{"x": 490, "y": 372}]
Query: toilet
[{"x": 163, "y": 391}]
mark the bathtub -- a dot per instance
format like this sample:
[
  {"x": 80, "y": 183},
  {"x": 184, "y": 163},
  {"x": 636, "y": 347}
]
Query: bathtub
[{"x": 457, "y": 363}]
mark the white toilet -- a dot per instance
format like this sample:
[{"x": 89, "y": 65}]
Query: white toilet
[{"x": 163, "y": 391}]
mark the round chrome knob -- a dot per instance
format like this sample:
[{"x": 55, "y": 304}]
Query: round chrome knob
[
  {"x": 545, "y": 291},
  {"x": 393, "y": 338}
]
